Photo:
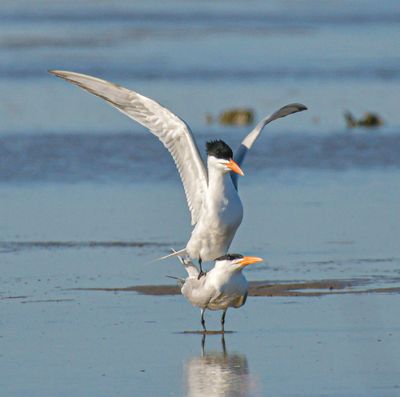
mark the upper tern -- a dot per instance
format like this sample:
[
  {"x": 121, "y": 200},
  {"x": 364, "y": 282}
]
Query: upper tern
[
  {"x": 224, "y": 286},
  {"x": 212, "y": 196}
]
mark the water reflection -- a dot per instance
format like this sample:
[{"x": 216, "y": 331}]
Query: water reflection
[{"x": 218, "y": 373}]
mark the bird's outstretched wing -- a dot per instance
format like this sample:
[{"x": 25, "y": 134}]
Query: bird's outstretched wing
[
  {"x": 249, "y": 140},
  {"x": 173, "y": 132}
]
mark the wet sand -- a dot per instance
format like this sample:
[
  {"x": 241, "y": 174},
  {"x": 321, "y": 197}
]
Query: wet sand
[{"x": 267, "y": 289}]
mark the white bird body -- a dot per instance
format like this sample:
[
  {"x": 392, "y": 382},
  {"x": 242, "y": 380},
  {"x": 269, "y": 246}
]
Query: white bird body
[
  {"x": 212, "y": 197},
  {"x": 220, "y": 217},
  {"x": 218, "y": 289},
  {"x": 224, "y": 286}
]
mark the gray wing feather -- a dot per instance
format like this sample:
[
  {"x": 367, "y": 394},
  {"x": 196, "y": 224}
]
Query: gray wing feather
[
  {"x": 172, "y": 131},
  {"x": 249, "y": 140}
]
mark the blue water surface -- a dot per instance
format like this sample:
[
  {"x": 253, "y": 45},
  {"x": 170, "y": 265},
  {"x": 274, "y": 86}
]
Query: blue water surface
[{"x": 88, "y": 198}]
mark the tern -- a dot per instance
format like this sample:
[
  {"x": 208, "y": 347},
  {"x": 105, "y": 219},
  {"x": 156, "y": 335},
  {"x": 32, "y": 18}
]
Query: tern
[
  {"x": 212, "y": 193},
  {"x": 222, "y": 287}
]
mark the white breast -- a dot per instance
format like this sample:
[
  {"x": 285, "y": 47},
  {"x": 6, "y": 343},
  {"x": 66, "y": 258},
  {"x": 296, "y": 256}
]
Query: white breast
[
  {"x": 230, "y": 288},
  {"x": 221, "y": 216}
]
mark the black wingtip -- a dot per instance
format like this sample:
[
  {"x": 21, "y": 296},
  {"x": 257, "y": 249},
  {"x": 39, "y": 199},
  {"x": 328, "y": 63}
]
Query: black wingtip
[
  {"x": 302, "y": 107},
  {"x": 299, "y": 106},
  {"x": 54, "y": 72}
]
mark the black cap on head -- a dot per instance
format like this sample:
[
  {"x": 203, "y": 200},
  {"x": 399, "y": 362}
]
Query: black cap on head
[
  {"x": 229, "y": 257},
  {"x": 219, "y": 149}
]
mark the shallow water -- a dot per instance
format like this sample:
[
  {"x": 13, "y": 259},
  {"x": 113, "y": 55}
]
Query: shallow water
[
  {"x": 124, "y": 344},
  {"x": 127, "y": 157},
  {"x": 88, "y": 199},
  {"x": 57, "y": 238}
]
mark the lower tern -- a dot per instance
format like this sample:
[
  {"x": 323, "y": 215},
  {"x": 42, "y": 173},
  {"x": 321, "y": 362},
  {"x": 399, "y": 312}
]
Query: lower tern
[
  {"x": 212, "y": 192},
  {"x": 224, "y": 286}
]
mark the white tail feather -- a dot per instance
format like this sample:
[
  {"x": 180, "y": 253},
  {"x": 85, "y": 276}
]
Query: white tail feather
[{"x": 174, "y": 253}]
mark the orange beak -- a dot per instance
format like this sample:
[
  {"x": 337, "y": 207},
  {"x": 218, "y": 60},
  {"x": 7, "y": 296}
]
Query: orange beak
[
  {"x": 233, "y": 165},
  {"x": 248, "y": 260}
]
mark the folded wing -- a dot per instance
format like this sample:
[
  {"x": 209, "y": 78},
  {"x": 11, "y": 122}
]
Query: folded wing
[
  {"x": 172, "y": 131},
  {"x": 249, "y": 140}
]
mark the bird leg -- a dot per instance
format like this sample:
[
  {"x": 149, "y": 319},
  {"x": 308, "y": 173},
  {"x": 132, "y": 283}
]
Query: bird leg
[
  {"x": 203, "y": 323},
  {"x": 203, "y": 343},
  {"x": 223, "y": 321},
  {"x": 223, "y": 345},
  {"x": 201, "y": 274}
]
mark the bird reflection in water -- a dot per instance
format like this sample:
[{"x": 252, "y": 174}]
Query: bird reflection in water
[{"x": 218, "y": 374}]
